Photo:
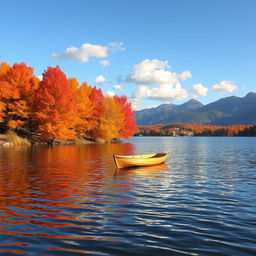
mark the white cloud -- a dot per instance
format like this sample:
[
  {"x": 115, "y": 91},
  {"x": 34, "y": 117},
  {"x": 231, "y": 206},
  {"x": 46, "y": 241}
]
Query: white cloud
[
  {"x": 116, "y": 46},
  {"x": 154, "y": 71},
  {"x": 100, "y": 79},
  {"x": 110, "y": 93},
  {"x": 150, "y": 106},
  {"x": 118, "y": 87},
  {"x": 40, "y": 77},
  {"x": 136, "y": 103},
  {"x": 199, "y": 90},
  {"x": 84, "y": 53},
  {"x": 225, "y": 86},
  {"x": 105, "y": 63},
  {"x": 185, "y": 75},
  {"x": 164, "y": 92},
  {"x": 166, "y": 84}
]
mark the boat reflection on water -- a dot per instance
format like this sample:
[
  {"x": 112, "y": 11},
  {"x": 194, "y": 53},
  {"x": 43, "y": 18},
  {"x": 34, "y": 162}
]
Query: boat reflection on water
[{"x": 148, "y": 171}]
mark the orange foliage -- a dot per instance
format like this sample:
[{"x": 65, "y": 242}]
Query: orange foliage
[
  {"x": 7, "y": 94},
  {"x": 84, "y": 105},
  {"x": 97, "y": 99},
  {"x": 129, "y": 125},
  {"x": 73, "y": 84},
  {"x": 8, "y": 91},
  {"x": 4, "y": 67},
  {"x": 60, "y": 108},
  {"x": 55, "y": 106},
  {"x": 2, "y": 109},
  {"x": 111, "y": 121},
  {"x": 16, "y": 86},
  {"x": 22, "y": 77}
]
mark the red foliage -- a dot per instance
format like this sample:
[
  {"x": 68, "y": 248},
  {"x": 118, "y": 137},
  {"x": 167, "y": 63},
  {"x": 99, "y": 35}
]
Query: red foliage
[
  {"x": 59, "y": 108},
  {"x": 55, "y": 106},
  {"x": 97, "y": 99},
  {"x": 129, "y": 126}
]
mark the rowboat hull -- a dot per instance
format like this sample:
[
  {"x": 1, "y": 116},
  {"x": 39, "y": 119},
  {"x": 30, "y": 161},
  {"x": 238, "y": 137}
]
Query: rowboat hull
[{"x": 139, "y": 160}]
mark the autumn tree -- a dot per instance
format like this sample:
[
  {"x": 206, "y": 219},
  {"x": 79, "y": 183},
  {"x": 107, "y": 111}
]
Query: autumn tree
[
  {"x": 60, "y": 108},
  {"x": 4, "y": 67},
  {"x": 84, "y": 106},
  {"x": 55, "y": 106},
  {"x": 8, "y": 94},
  {"x": 97, "y": 98},
  {"x": 111, "y": 121},
  {"x": 17, "y": 84},
  {"x": 129, "y": 125}
]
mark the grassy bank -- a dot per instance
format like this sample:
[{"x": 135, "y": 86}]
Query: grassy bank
[{"x": 11, "y": 138}]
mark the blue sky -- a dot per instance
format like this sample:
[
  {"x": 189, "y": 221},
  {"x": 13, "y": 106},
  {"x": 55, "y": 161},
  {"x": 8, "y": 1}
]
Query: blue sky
[{"x": 152, "y": 51}]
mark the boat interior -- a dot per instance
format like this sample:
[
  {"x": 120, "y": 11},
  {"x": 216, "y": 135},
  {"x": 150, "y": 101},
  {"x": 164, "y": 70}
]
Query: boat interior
[{"x": 143, "y": 156}]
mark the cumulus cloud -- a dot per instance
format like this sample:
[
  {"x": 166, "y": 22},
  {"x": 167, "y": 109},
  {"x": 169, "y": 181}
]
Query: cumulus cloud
[
  {"x": 156, "y": 81},
  {"x": 225, "y": 86},
  {"x": 164, "y": 92},
  {"x": 155, "y": 72},
  {"x": 118, "y": 87},
  {"x": 100, "y": 79},
  {"x": 104, "y": 63},
  {"x": 199, "y": 90},
  {"x": 86, "y": 51},
  {"x": 110, "y": 93}
]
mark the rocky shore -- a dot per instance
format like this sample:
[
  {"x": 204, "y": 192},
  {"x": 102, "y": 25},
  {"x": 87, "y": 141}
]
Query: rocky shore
[{"x": 24, "y": 137}]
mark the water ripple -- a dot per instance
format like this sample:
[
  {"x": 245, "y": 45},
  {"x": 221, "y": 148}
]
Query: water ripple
[{"x": 71, "y": 200}]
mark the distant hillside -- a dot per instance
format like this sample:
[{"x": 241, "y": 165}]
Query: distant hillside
[
  {"x": 226, "y": 111},
  {"x": 176, "y": 129}
]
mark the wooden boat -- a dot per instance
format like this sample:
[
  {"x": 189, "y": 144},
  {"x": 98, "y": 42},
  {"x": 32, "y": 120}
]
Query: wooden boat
[{"x": 139, "y": 160}]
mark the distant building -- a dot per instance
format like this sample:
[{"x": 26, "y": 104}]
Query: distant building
[{"x": 186, "y": 133}]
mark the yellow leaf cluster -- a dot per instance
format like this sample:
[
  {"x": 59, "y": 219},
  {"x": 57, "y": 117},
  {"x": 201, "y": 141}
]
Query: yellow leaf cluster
[{"x": 111, "y": 121}]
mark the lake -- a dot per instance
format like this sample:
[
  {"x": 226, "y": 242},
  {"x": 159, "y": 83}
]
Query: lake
[{"x": 71, "y": 200}]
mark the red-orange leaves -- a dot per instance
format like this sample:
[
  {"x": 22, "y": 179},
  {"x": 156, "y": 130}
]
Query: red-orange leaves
[
  {"x": 60, "y": 108},
  {"x": 2, "y": 109},
  {"x": 129, "y": 124},
  {"x": 22, "y": 77},
  {"x": 4, "y": 67},
  {"x": 16, "y": 87},
  {"x": 84, "y": 106},
  {"x": 8, "y": 91},
  {"x": 97, "y": 100},
  {"x": 55, "y": 106},
  {"x": 8, "y": 95}
]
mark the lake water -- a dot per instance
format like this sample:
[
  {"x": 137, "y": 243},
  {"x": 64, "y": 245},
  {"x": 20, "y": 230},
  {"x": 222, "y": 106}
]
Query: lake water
[{"x": 71, "y": 200}]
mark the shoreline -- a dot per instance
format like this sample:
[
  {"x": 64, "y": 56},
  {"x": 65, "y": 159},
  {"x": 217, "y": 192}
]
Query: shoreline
[{"x": 14, "y": 139}]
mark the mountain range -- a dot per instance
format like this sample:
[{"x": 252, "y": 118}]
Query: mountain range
[{"x": 226, "y": 111}]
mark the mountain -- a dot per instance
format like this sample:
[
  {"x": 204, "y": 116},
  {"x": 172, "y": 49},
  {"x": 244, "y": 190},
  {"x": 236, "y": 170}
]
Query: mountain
[
  {"x": 190, "y": 105},
  {"x": 226, "y": 111}
]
